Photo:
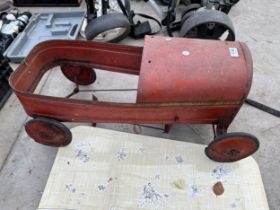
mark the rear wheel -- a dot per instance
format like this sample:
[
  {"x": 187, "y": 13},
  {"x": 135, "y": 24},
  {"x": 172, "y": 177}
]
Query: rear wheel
[
  {"x": 112, "y": 27},
  {"x": 232, "y": 147},
  {"x": 80, "y": 75},
  {"x": 48, "y": 132}
]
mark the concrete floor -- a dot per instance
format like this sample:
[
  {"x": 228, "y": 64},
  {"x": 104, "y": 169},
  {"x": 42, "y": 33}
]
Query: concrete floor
[{"x": 25, "y": 165}]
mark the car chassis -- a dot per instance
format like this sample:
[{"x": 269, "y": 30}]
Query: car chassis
[{"x": 181, "y": 81}]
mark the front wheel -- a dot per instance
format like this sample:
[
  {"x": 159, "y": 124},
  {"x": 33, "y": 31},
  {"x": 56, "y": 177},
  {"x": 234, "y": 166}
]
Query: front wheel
[
  {"x": 112, "y": 27},
  {"x": 81, "y": 75},
  {"x": 48, "y": 132},
  {"x": 232, "y": 147}
]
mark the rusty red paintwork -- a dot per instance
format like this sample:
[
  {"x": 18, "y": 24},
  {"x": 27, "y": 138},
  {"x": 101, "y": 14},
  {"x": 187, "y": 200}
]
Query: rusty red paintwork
[
  {"x": 195, "y": 92},
  {"x": 193, "y": 70}
]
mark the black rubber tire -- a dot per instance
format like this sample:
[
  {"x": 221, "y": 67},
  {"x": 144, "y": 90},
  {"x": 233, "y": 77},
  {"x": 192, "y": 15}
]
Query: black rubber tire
[
  {"x": 186, "y": 16},
  {"x": 205, "y": 17},
  {"x": 189, "y": 11},
  {"x": 108, "y": 22},
  {"x": 189, "y": 8}
]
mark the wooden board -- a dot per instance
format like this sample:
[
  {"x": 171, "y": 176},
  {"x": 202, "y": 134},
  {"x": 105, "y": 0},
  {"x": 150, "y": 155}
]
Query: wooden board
[{"x": 109, "y": 170}]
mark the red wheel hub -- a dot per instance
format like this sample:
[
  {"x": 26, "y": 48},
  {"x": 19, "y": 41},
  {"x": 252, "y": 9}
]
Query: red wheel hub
[
  {"x": 48, "y": 132},
  {"x": 232, "y": 147},
  {"x": 81, "y": 75}
]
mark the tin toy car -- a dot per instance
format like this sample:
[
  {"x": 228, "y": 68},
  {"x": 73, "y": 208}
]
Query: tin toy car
[{"x": 181, "y": 81}]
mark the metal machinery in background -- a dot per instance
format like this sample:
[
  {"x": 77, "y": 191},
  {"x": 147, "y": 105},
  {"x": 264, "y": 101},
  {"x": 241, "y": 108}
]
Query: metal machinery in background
[
  {"x": 174, "y": 88},
  {"x": 209, "y": 21},
  {"x": 205, "y": 19}
]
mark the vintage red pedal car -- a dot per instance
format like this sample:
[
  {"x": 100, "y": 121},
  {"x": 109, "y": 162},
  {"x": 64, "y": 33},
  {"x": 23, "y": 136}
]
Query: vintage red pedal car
[{"x": 181, "y": 81}]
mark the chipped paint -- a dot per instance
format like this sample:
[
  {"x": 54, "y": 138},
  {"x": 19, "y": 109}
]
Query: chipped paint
[
  {"x": 157, "y": 177},
  {"x": 151, "y": 198},
  {"x": 236, "y": 203},
  {"x": 101, "y": 187},
  {"x": 70, "y": 188},
  {"x": 122, "y": 154},
  {"x": 83, "y": 156},
  {"x": 220, "y": 172},
  {"x": 193, "y": 191},
  {"x": 179, "y": 160},
  {"x": 82, "y": 152}
]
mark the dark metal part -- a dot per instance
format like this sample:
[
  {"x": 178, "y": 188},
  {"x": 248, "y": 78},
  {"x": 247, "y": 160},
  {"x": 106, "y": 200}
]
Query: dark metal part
[
  {"x": 170, "y": 17},
  {"x": 148, "y": 126},
  {"x": 167, "y": 128},
  {"x": 48, "y": 132},
  {"x": 232, "y": 147},
  {"x": 91, "y": 11},
  {"x": 263, "y": 107},
  {"x": 75, "y": 91},
  {"x": 94, "y": 98},
  {"x": 105, "y": 6},
  {"x": 214, "y": 130}
]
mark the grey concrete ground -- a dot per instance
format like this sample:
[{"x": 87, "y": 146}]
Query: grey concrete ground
[{"x": 25, "y": 165}]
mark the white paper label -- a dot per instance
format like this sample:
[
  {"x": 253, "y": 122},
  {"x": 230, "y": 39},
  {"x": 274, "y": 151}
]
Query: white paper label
[{"x": 233, "y": 52}]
